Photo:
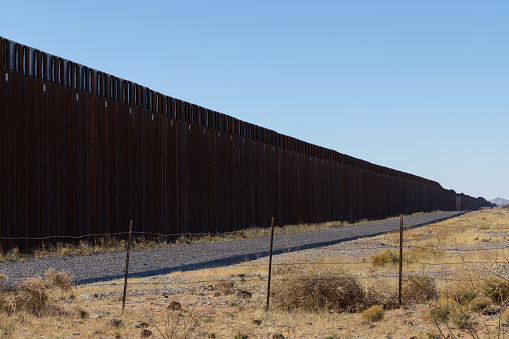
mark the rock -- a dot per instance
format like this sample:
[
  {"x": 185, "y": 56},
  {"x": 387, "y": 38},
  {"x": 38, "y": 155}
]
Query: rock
[
  {"x": 174, "y": 306},
  {"x": 244, "y": 294},
  {"x": 217, "y": 294},
  {"x": 257, "y": 322},
  {"x": 84, "y": 296},
  {"x": 145, "y": 333},
  {"x": 142, "y": 325},
  {"x": 277, "y": 336},
  {"x": 409, "y": 323},
  {"x": 82, "y": 314}
]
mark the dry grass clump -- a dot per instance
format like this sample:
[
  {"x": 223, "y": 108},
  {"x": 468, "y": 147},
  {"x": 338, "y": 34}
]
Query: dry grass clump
[
  {"x": 13, "y": 255},
  {"x": 316, "y": 289},
  {"x": 479, "y": 304},
  {"x": 386, "y": 257},
  {"x": 417, "y": 289},
  {"x": 374, "y": 313},
  {"x": 225, "y": 287},
  {"x": 36, "y": 295}
]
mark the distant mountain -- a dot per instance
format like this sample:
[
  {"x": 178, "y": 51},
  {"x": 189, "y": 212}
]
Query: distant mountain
[{"x": 500, "y": 201}]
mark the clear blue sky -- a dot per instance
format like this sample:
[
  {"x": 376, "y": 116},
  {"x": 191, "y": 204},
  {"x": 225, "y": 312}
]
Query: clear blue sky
[{"x": 419, "y": 86}]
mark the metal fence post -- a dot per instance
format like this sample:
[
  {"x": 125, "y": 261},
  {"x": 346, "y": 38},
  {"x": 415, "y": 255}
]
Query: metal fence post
[
  {"x": 270, "y": 260},
  {"x": 127, "y": 264},
  {"x": 400, "y": 258}
]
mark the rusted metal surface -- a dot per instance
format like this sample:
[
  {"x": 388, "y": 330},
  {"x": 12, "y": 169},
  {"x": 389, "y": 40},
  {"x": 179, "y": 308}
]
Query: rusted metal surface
[{"x": 83, "y": 152}]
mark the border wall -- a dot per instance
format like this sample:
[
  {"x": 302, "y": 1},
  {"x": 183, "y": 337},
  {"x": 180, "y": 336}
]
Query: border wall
[{"x": 82, "y": 152}]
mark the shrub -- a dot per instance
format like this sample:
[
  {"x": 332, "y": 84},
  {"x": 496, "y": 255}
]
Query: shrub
[
  {"x": 387, "y": 256},
  {"x": 480, "y": 303},
  {"x": 374, "y": 313},
  {"x": 316, "y": 289},
  {"x": 417, "y": 288},
  {"x": 497, "y": 289}
]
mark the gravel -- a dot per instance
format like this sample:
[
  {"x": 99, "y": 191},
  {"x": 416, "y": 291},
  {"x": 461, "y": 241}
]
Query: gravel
[{"x": 150, "y": 262}]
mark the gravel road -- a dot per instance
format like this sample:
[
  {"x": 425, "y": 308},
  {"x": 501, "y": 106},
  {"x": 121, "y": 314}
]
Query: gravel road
[{"x": 110, "y": 266}]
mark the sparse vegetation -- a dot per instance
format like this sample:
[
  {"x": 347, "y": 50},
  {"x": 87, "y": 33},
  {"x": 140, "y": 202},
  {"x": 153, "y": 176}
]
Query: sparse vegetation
[
  {"x": 374, "y": 313},
  {"x": 36, "y": 295},
  {"x": 449, "y": 292},
  {"x": 386, "y": 257},
  {"x": 112, "y": 243}
]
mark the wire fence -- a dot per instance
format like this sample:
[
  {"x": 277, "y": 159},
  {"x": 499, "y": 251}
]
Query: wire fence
[{"x": 418, "y": 258}]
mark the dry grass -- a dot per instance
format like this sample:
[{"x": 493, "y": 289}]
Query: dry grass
[
  {"x": 461, "y": 293},
  {"x": 36, "y": 295},
  {"x": 374, "y": 313},
  {"x": 114, "y": 244}
]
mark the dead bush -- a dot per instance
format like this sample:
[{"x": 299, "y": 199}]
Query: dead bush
[
  {"x": 36, "y": 295},
  {"x": 417, "y": 289},
  {"x": 316, "y": 289}
]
